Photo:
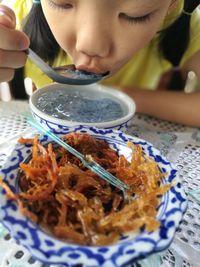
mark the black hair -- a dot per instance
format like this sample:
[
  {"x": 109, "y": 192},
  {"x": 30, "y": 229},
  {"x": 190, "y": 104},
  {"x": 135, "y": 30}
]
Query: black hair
[
  {"x": 42, "y": 42},
  {"x": 173, "y": 42}
]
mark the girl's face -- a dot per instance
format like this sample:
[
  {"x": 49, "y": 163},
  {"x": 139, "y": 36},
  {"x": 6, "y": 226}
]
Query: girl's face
[{"x": 102, "y": 35}]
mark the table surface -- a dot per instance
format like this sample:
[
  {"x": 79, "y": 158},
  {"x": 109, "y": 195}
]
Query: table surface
[{"x": 180, "y": 144}]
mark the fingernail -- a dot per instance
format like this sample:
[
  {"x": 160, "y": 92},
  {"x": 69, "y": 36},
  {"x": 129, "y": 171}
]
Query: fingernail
[
  {"x": 5, "y": 15},
  {"x": 23, "y": 44}
]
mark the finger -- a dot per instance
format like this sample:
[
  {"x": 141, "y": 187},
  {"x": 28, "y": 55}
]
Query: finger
[
  {"x": 12, "y": 59},
  {"x": 7, "y": 17},
  {"x": 6, "y": 75},
  {"x": 13, "y": 39}
]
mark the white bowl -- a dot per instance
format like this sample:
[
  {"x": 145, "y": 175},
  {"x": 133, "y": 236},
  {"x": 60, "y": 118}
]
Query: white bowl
[{"x": 93, "y": 93}]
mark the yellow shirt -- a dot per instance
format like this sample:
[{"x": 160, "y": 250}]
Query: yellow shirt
[{"x": 143, "y": 70}]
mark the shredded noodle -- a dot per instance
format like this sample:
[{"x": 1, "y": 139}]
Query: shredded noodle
[{"x": 74, "y": 204}]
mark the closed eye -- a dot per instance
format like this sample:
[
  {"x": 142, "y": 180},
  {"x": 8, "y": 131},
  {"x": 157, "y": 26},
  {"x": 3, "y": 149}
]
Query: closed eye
[
  {"x": 59, "y": 5},
  {"x": 138, "y": 19}
]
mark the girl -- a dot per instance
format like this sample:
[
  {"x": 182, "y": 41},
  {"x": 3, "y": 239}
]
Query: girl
[{"x": 136, "y": 41}]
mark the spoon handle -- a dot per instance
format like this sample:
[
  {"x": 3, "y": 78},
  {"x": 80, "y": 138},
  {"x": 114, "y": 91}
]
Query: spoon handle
[
  {"x": 51, "y": 73},
  {"x": 47, "y": 69},
  {"x": 39, "y": 62}
]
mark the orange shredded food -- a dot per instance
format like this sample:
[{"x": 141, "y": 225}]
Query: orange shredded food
[{"x": 76, "y": 205}]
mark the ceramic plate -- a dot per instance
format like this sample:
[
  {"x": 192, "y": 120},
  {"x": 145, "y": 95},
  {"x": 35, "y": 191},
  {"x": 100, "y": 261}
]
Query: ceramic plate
[{"x": 130, "y": 247}]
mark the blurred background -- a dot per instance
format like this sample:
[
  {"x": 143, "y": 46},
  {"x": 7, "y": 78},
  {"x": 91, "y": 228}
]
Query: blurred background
[{"x": 191, "y": 82}]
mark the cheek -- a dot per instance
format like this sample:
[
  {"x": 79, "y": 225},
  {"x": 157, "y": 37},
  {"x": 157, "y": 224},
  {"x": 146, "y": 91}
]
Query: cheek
[
  {"x": 139, "y": 36},
  {"x": 62, "y": 33},
  {"x": 137, "y": 40}
]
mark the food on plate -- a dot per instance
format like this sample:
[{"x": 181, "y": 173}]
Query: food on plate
[{"x": 72, "y": 203}]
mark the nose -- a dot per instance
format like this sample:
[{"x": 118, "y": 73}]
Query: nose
[{"x": 93, "y": 39}]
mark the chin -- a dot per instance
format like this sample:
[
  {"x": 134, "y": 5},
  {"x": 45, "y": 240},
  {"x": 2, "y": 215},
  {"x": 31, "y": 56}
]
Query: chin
[{"x": 112, "y": 73}]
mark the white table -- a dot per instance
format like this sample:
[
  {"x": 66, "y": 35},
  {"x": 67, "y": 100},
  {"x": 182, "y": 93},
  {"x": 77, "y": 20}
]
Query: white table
[{"x": 180, "y": 144}]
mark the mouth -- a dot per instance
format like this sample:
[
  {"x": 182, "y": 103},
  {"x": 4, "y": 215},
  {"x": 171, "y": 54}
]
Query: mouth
[{"x": 87, "y": 70}]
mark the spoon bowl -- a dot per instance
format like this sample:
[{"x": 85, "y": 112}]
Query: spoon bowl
[{"x": 67, "y": 74}]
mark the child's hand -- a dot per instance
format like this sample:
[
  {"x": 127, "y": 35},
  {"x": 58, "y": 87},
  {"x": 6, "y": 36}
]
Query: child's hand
[{"x": 12, "y": 45}]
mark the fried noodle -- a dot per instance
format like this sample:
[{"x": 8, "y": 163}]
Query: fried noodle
[{"x": 74, "y": 204}]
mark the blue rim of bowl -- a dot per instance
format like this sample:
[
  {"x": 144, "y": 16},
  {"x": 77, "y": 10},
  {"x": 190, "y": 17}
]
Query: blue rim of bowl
[
  {"x": 175, "y": 197},
  {"x": 56, "y": 128}
]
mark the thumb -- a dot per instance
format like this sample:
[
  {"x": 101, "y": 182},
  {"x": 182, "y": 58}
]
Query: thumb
[{"x": 7, "y": 17}]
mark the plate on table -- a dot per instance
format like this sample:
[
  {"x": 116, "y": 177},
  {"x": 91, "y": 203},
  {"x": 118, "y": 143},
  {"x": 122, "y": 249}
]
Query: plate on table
[{"x": 130, "y": 246}]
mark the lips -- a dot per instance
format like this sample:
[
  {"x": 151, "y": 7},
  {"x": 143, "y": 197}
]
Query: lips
[{"x": 92, "y": 70}]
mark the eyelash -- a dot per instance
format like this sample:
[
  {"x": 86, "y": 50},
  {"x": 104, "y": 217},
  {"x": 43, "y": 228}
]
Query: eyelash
[
  {"x": 131, "y": 20},
  {"x": 135, "y": 20},
  {"x": 59, "y": 6}
]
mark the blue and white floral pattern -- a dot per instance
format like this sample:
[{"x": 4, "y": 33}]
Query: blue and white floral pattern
[
  {"x": 131, "y": 246},
  {"x": 49, "y": 125}
]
